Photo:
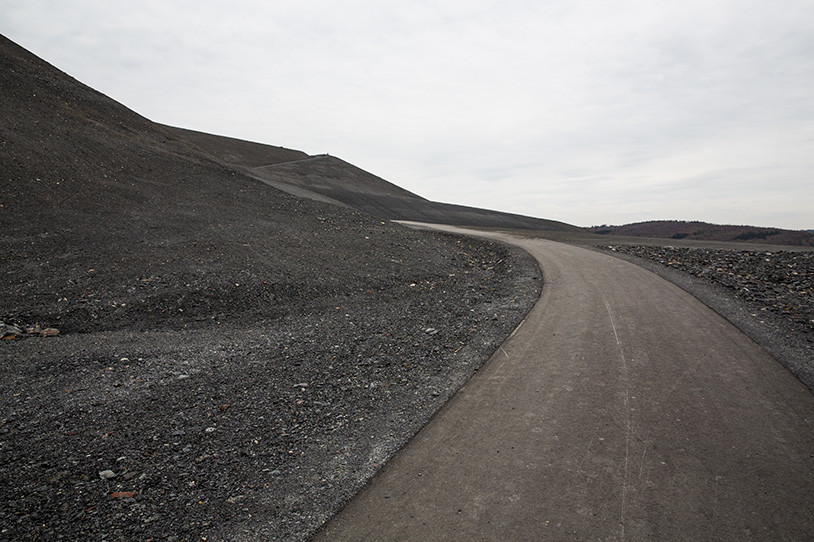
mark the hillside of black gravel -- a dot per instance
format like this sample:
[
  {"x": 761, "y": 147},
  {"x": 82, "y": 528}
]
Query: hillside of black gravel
[
  {"x": 232, "y": 361},
  {"x": 773, "y": 293},
  {"x": 330, "y": 179}
]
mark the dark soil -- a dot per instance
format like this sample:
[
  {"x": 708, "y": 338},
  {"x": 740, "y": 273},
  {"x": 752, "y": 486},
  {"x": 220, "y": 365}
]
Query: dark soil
[
  {"x": 233, "y": 361},
  {"x": 768, "y": 294}
]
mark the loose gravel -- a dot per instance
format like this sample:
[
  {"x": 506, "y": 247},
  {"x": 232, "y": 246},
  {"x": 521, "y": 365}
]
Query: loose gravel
[{"x": 249, "y": 430}]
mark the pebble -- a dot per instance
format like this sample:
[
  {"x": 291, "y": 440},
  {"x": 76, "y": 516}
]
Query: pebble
[
  {"x": 105, "y": 474},
  {"x": 122, "y": 495},
  {"x": 8, "y": 330}
]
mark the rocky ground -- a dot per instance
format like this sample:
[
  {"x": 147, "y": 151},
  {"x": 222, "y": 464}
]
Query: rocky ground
[
  {"x": 248, "y": 430},
  {"x": 769, "y": 294}
]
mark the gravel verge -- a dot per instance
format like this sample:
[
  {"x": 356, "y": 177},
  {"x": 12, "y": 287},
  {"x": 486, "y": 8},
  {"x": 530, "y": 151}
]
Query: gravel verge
[
  {"x": 769, "y": 295},
  {"x": 247, "y": 429}
]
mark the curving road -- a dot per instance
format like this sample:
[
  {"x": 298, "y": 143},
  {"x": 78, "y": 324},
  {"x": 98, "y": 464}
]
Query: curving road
[{"x": 622, "y": 409}]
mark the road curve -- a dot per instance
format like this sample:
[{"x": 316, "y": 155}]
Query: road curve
[{"x": 622, "y": 409}]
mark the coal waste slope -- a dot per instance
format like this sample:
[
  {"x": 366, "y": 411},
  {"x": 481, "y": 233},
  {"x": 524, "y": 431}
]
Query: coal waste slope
[
  {"x": 331, "y": 177},
  {"x": 232, "y": 362}
]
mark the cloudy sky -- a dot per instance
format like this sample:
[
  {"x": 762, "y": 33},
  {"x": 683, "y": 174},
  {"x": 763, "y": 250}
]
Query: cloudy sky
[{"x": 585, "y": 111}]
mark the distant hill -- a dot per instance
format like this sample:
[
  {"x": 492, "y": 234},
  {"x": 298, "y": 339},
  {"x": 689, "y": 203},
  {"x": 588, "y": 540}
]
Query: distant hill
[
  {"x": 330, "y": 179},
  {"x": 678, "y": 229}
]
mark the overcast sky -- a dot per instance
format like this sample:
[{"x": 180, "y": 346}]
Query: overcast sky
[{"x": 589, "y": 112}]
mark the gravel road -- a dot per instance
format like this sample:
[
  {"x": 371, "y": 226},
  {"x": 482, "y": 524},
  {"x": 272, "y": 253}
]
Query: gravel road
[{"x": 622, "y": 409}]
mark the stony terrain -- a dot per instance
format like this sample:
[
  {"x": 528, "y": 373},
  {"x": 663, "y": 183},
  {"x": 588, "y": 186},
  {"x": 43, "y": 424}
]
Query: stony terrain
[
  {"x": 254, "y": 428},
  {"x": 772, "y": 291}
]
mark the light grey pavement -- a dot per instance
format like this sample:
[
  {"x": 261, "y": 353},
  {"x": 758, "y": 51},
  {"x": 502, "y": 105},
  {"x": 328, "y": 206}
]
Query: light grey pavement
[{"x": 622, "y": 409}]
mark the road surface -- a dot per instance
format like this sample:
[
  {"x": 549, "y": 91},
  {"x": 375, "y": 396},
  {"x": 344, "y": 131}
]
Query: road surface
[{"x": 622, "y": 409}]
